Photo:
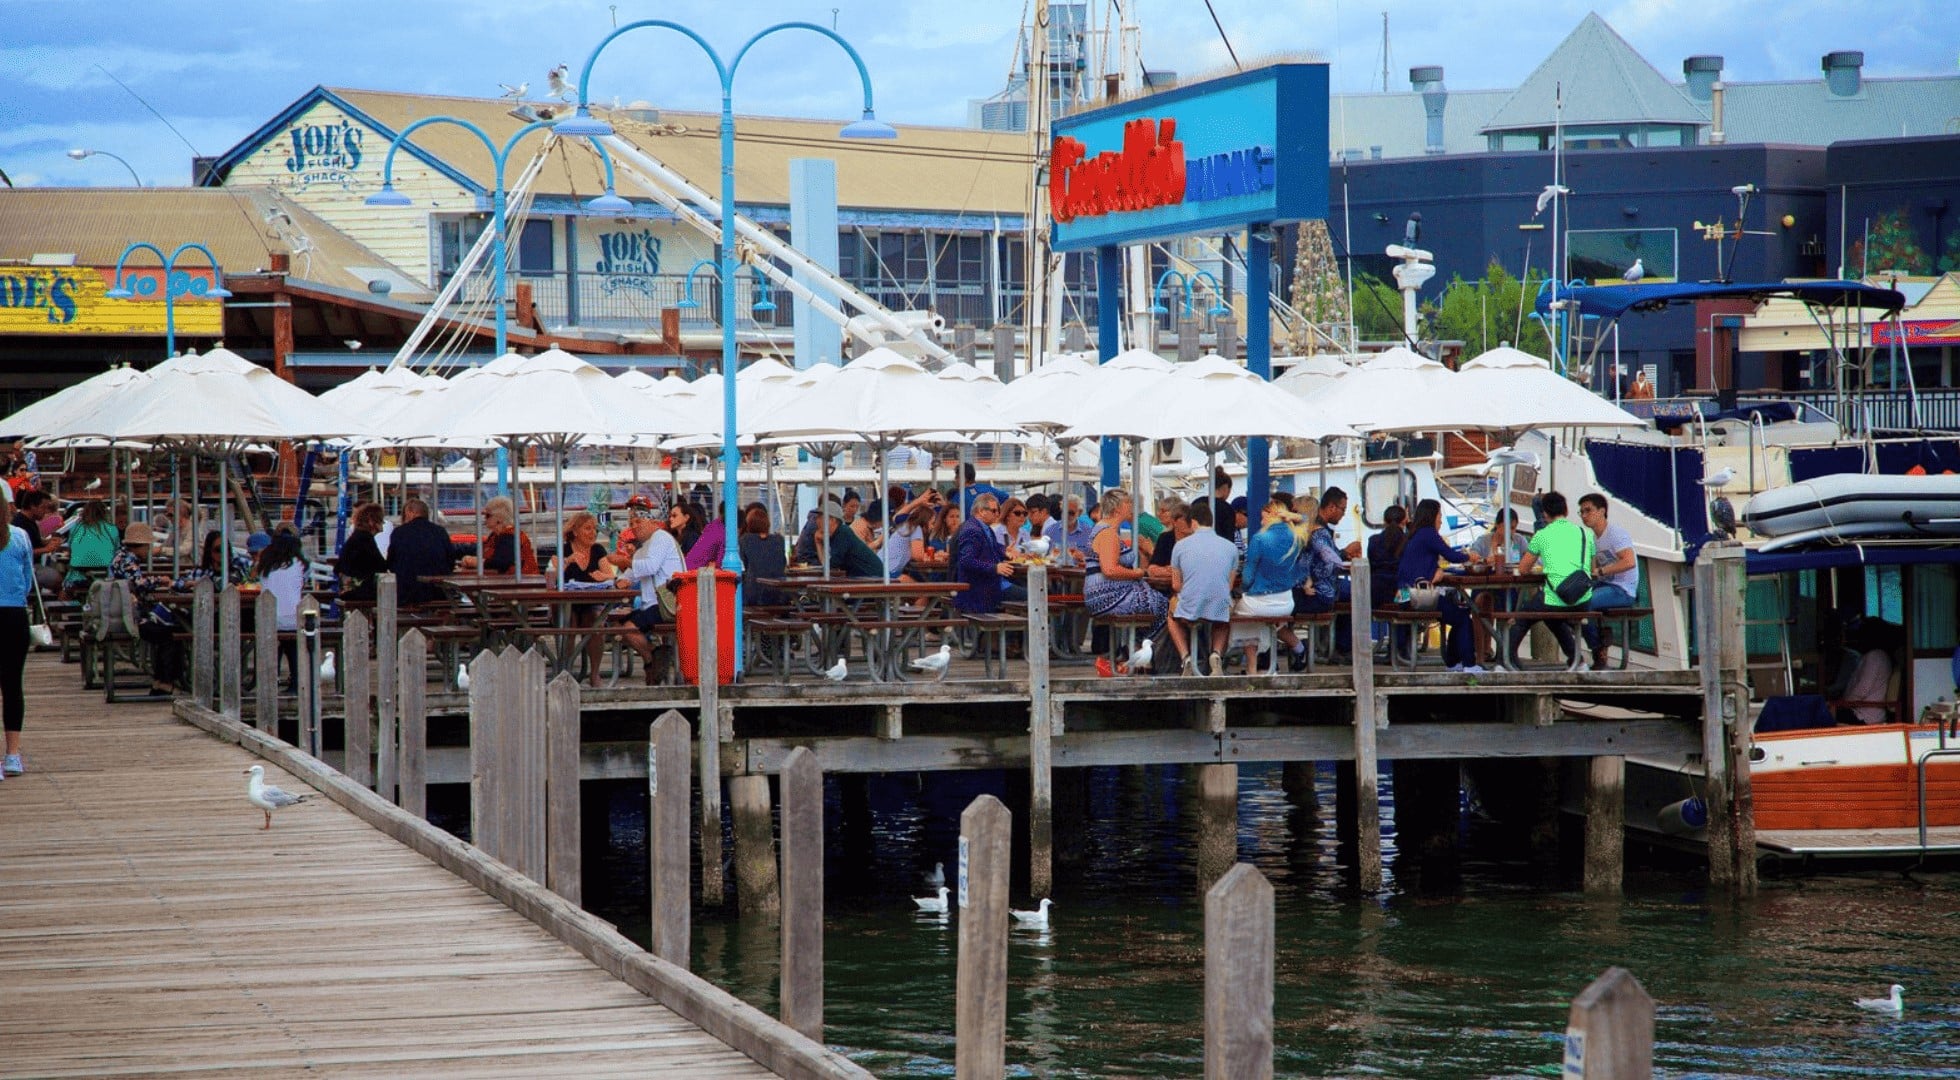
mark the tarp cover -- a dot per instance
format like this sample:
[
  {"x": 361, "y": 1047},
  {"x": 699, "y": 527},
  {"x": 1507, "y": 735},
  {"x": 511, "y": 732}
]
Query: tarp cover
[{"x": 1612, "y": 301}]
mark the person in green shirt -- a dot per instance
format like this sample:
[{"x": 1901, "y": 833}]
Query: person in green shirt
[
  {"x": 1559, "y": 549},
  {"x": 92, "y": 543},
  {"x": 849, "y": 555}
]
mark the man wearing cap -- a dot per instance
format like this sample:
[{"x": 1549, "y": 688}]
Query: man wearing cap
[
  {"x": 419, "y": 549},
  {"x": 849, "y": 556}
]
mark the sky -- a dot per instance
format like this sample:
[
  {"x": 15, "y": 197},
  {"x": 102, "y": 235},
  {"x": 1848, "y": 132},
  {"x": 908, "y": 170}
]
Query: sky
[{"x": 218, "y": 69}]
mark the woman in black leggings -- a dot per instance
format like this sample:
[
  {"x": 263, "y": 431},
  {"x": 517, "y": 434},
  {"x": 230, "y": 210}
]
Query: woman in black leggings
[{"x": 16, "y": 585}]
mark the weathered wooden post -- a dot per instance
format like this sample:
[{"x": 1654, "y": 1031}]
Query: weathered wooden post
[
  {"x": 1610, "y": 1034},
  {"x": 265, "y": 662},
  {"x": 389, "y": 679},
  {"x": 204, "y": 642},
  {"x": 524, "y": 760},
  {"x": 1731, "y": 603},
  {"x": 1187, "y": 340},
  {"x": 563, "y": 868},
  {"x": 1367, "y": 806},
  {"x": 1606, "y": 807},
  {"x": 707, "y": 673},
  {"x": 231, "y": 673},
  {"x": 306, "y": 668},
  {"x": 1218, "y": 822},
  {"x": 1041, "y": 790},
  {"x": 486, "y": 739},
  {"x": 1720, "y": 595},
  {"x": 1239, "y": 976},
  {"x": 1226, "y": 332},
  {"x": 1003, "y": 351},
  {"x": 986, "y": 843},
  {"x": 802, "y": 921},
  {"x": 667, "y": 795},
  {"x": 755, "y": 847},
  {"x": 356, "y": 675},
  {"x": 412, "y": 773}
]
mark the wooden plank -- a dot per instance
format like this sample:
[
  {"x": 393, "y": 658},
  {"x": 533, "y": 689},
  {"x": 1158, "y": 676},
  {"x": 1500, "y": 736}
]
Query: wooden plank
[
  {"x": 667, "y": 839},
  {"x": 231, "y": 674},
  {"x": 357, "y": 675},
  {"x": 1606, "y": 811},
  {"x": 204, "y": 642},
  {"x": 486, "y": 773},
  {"x": 1239, "y": 976},
  {"x": 410, "y": 778},
  {"x": 757, "y": 892},
  {"x": 802, "y": 916},
  {"x": 1041, "y": 764},
  {"x": 707, "y": 675},
  {"x": 564, "y": 867},
  {"x": 1367, "y": 808},
  {"x": 980, "y": 999},
  {"x": 391, "y": 677},
  {"x": 1610, "y": 1032},
  {"x": 265, "y": 661},
  {"x": 529, "y": 765},
  {"x": 307, "y": 618}
]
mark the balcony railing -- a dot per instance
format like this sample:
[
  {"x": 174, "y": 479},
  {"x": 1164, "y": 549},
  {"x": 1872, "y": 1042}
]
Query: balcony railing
[{"x": 1887, "y": 410}]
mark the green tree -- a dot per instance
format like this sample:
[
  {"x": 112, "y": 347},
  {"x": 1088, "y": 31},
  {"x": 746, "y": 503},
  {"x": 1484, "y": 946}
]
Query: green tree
[
  {"x": 1891, "y": 245},
  {"x": 1950, "y": 257},
  {"x": 1377, "y": 309},
  {"x": 1483, "y": 314}
]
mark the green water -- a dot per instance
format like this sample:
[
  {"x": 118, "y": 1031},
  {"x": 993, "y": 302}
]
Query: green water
[{"x": 1472, "y": 982}]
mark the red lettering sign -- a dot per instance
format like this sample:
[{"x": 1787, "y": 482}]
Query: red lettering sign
[{"x": 1148, "y": 172}]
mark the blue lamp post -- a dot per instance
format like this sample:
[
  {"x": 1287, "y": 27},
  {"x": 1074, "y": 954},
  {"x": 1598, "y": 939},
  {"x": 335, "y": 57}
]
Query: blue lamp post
[
  {"x": 762, "y": 301},
  {"x": 1157, "y": 294},
  {"x": 583, "y": 124},
  {"x": 175, "y": 284},
  {"x": 609, "y": 203},
  {"x": 1217, "y": 295}
]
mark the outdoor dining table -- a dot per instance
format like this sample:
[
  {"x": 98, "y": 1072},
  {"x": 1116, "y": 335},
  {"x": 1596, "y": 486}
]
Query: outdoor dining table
[
  {"x": 532, "y": 608},
  {"x": 880, "y": 615},
  {"x": 1065, "y": 611},
  {"x": 1505, "y": 588}
]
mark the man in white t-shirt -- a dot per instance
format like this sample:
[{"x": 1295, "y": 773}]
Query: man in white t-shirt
[{"x": 1616, "y": 572}]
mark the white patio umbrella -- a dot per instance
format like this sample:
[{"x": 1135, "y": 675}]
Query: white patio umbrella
[
  {"x": 1532, "y": 395},
  {"x": 1043, "y": 401},
  {"x": 57, "y": 409},
  {"x": 883, "y": 397},
  {"x": 1309, "y": 373}
]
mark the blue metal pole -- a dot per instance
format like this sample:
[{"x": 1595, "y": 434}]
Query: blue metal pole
[
  {"x": 169, "y": 312},
  {"x": 1109, "y": 311},
  {"x": 1258, "y": 355},
  {"x": 731, "y": 454}
]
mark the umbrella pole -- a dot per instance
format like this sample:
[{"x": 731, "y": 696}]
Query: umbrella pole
[
  {"x": 476, "y": 506},
  {"x": 177, "y": 542},
  {"x": 1322, "y": 444},
  {"x": 558, "y": 504},
  {"x": 884, "y": 492},
  {"x": 517, "y": 515},
  {"x": 176, "y": 486},
  {"x": 823, "y": 503},
  {"x": 1061, "y": 512},
  {"x": 224, "y": 523},
  {"x": 401, "y": 475}
]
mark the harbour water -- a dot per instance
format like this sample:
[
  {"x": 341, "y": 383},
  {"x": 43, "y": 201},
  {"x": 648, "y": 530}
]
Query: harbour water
[{"x": 1470, "y": 980}]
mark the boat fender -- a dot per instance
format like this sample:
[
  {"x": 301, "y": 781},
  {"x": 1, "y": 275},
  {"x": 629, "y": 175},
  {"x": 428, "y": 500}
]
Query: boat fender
[{"x": 1684, "y": 817}]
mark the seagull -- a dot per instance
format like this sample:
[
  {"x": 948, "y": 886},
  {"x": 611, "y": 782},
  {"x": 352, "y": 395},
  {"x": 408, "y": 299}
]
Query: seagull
[
  {"x": 837, "y": 671},
  {"x": 1545, "y": 197},
  {"x": 932, "y": 905},
  {"x": 1037, "y": 547},
  {"x": 326, "y": 666},
  {"x": 937, "y": 879},
  {"x": 92, "y": 484},
  {"x": 555, "y": 84},
  {"x": 1140, "y": 659},
  {"x": 1719, "y": 478},
  {"x": 352, "y": 345},
  {"x": 1634, "y": 272},
  {"x": 1510, "y": 455},
  {"x": 462, "y": 677},
  {"x": 936, "y": 662},
  {"x": 266, "y": 797},
  {"x": 515, "y": 92},
  {"x": 1036, "y": 919},
  {"x": 1893, "y": 1005}
]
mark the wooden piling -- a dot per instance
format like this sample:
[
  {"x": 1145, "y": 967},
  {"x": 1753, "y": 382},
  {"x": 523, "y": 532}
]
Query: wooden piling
[
  {"x": 667, "y": 796},
  {"x": 1610, "y": 1032},
  {"x": 356, "y": 670},
  {"x": 265, "y": 662},
  {"x": 980, "y": 1003},
  {"x": 1606, "y": 806},
  {"x": 390, "y": 677},
  {"x": 1367, "y": 807},
  {"x": 755, "y": 847},
  {"x": 306, "y": 666},
  {"x": 486, "y": 773},
  {"x": 231, "y": 646},
  {"x": 1239, "y": 976},
  {"x": 412, "y": 755},
  {"x": 1731, "y": 604},
  {"x": 526, "y": 759},
  {"x": 707, "y": 675},
  {"x": 1218, "y": 822},
  {"x": 1720, "y": 593},
  {"x": 204, "y": 642},
  {"x": 564, "y": 868},
  {"x": 802, "y": 910},
  {"x": 1041, "y": 792}
]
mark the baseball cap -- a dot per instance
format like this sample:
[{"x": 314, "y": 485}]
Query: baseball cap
[
  {"x": 638, "y": 504},
  {"x": 1238, "y": 504},
  {"x": 257, "y": 542},
  {"x": 139, "y": 532},
  {"x": 832, "y": 508}
]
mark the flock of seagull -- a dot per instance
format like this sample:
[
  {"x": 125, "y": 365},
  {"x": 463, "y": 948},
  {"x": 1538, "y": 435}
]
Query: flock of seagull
[{"x": 938, "y": 903}]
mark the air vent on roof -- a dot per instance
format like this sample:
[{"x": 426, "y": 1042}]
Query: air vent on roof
[
  {"x": 45, "y": 259},
  {"x": 640, "y": 112}
]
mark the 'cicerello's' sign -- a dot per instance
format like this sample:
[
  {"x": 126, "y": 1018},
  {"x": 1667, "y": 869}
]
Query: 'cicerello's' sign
[{"x": 1210, "y": 157}]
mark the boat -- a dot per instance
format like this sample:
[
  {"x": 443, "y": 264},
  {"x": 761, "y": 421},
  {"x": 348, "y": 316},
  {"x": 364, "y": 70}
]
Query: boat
[{"x": 1848, "y": 505}]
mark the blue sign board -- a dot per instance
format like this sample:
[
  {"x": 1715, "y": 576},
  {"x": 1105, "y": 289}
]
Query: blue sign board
[{"x": 1210, "y": 157}]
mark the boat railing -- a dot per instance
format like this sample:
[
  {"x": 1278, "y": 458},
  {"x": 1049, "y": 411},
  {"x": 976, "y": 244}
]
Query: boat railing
[{"x": 1943, "y": 751}]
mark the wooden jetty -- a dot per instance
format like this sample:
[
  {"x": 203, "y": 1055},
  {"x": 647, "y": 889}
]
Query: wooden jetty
[{"x": 148, "y": 927}]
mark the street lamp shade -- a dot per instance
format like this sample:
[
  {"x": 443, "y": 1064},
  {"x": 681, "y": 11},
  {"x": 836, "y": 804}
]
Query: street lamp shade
[
  {"x": 80, "y": 154},
  {"x": 216, "y": 292},
  {"x": 868, "y": 128},
  {"x": 388, "y": 196},
  {"x": 582, "y": 125},
  {"x": 609, "y": 203},
  {"x": 120, "y": 292}
]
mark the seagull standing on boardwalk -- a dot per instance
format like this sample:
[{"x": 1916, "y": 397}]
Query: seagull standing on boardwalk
[
  {"x": 837, "y": 671},
  {"x": 935, "y": 662},
  {"x": 266, "y": 797},
  {"x": 1140, "y": 659}
]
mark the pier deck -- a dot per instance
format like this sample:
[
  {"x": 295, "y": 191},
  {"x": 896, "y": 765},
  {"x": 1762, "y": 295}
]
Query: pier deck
[{"x": 148, "y": 927}]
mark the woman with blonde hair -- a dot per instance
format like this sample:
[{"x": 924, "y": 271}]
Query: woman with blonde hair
[
  {"x": 1272, "y": 560},
  {"x": 503, "y": 545},
  {"x": 584, "y": 563}
]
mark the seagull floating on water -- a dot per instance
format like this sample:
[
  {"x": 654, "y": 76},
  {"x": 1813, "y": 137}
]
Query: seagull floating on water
[
  {"x": 1893, "y": 1005},
  {"x": 1140, "y": 659},
  {"x": 462, "y": 676},
  {"x": 933, "y": 905},
  {"x": 326, "y": 666},
  {"x": 1719, "y": 478},
  {"x": 1634, "y": 272},
  {"x": 934, "y": 662},
  {"x": 837, "y": 671},
  {"x": 1036, "y": 919},
  {"x": 937, "y": 879},
  {"x": 266, "y": 797}
]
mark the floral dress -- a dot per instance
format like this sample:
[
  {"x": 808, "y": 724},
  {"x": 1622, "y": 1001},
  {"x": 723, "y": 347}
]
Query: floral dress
[{"x": 1107, "y": 596}]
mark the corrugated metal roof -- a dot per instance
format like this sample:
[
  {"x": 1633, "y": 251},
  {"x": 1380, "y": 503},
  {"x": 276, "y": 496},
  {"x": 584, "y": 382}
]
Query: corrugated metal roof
[
  {"x": 1397, "y": 123},
  {"x": 242, "y": 226},
  {"x": 927, "y": 168},
  {"x": 1807, "y": 112},
  {"x": 1604, "y": 82}
]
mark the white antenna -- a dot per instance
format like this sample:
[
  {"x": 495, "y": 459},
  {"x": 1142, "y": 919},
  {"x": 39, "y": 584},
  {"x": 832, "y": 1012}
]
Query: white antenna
[{"x": 1384, "y": 52}]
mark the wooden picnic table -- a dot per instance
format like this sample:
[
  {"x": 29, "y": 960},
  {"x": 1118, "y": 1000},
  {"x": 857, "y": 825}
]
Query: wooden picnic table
[{"x": 877, "y": 613}]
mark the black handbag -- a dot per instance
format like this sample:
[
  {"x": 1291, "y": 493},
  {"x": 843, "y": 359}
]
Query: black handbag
[{"x": 1578, "y": 584}]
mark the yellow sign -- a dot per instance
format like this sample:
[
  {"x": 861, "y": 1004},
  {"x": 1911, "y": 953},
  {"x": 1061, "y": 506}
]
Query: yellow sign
[{"x": 73, "y": 300}]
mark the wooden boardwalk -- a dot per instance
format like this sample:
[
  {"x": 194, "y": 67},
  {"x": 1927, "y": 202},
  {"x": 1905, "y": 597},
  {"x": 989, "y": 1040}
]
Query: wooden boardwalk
[{"x": 147, "y": 928}]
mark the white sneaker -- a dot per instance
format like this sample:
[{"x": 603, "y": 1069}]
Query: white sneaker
[
  {"x": 1188, "y": 667},
  {"x": 11, "y": 766},
  {"x": 1217, "y": 664}
]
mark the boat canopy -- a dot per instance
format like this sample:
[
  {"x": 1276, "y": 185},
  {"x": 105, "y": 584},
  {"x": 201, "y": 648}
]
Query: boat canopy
[
  {"x": 1612, "y": 301},
  {"x": 1851, "y": 553}
]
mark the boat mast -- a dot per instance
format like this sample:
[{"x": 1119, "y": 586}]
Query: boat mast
[{"x": 1035, "y": 304}]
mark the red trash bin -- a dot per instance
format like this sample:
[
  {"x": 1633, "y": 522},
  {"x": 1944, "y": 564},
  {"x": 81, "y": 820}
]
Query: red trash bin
[{"x": 687, "y": 625}]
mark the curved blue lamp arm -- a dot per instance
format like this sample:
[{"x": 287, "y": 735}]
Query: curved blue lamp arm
[
  {"x": 687, "y": 292},
  {"x": 196, "y": 288},
  {"x": 511, "y": 143},
  {"x": 1217, "y": 291},
  {"x": 1157, "y": 294},
  {"x": 145, "y": 246},
  {"x": 388, "y": 163},
  {"x": 195, "y": 246},
  {"x": 585, "y": 73},
  {"x": 604, "y": 159},
  {"x": 864, "y": 74}
]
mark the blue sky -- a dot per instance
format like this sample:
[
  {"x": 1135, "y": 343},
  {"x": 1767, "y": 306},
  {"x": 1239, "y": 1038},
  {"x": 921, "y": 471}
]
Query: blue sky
[{"x": 218, "y": 68}]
